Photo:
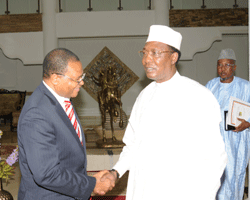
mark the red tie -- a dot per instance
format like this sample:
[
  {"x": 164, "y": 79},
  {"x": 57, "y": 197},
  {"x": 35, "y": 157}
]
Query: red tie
[{"x": 71, "y": 114}]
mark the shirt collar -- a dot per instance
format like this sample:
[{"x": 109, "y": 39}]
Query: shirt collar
[
  {"x": 227, "y": 84},
  {"x": 170, "y": 81},
  {"x": 59, "y": 98}
]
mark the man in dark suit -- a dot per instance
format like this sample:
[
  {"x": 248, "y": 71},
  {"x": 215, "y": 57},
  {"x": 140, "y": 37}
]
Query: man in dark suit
[{"x": 52, "y": 152}]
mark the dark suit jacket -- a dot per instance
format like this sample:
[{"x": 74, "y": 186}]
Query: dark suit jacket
[{"x": 51, "y": 158}]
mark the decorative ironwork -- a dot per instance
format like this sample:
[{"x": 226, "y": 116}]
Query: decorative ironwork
[
  {"x": 89, "y": 8},
  {"x": 203, "y": 4},
  {"x": 149, "y": 5},
  {"x": 171, "y": 6},
  {"x": 235, "y": 4},
  {"x": 60, "y": 6},
  {"x": 101, "y": 62},
  {"x": 7, "y": 8},
  {"x": 38, "y": 10},
  {"x": 120, "y": 5}
]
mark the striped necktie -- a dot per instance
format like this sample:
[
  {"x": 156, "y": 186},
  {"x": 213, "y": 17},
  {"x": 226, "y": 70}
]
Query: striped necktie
[{"x": 72, "y": 117}]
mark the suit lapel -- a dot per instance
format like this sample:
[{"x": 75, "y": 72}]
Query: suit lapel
[{"x": 64, "y": 117}]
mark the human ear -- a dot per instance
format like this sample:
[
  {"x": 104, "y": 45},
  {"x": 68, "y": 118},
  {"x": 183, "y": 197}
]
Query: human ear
[
  {"x": 174, "y": 58},
  {"x": 234, "y": 67},
  {"x": 54, "y": 79}
]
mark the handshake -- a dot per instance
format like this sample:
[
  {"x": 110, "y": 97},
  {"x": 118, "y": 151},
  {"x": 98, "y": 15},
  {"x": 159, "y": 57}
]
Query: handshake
[{"x": 105, "y": 181}]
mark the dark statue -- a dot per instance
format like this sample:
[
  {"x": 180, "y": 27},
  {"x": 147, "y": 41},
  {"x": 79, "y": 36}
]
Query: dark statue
[
  {"x": 109, "y": 99},
  {"x": 107, "y": 79}
]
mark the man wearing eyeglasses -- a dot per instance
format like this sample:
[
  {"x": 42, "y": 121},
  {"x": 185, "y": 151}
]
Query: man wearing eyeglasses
[
  {"x": 174, "y": 149},
  {"x": 52, "y": 152},
  {"x": 237, "y": 141}
]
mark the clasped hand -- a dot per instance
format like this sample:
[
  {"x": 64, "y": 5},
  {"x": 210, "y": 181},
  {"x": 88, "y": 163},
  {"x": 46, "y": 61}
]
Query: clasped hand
[
  {"x": 105, "y": 181},
  {"x": 244, "y": 125}
]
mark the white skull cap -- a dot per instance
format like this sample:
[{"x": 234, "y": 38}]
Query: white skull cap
[
  {"x": 227, "y": 54},
  {"x": 166, "y": 35}
]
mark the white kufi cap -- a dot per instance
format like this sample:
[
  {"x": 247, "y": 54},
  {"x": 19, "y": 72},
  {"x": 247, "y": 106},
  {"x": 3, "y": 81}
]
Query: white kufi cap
[
  {"x": 166, "y": 35},
  {"x": 227, "y": 54}
]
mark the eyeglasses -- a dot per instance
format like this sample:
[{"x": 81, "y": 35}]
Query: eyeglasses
[
  {"x": 155, "y": 54},
  {"x": 227, "y": 65},
  {"x": 78, "y": 82}
]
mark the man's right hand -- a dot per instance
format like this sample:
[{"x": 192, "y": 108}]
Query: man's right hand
[
  {"x": 104, "y": 185},
  {"x": 112, "y": 175}
]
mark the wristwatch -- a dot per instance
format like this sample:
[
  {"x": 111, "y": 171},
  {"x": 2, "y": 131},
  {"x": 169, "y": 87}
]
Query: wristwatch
[{"x": 117, "y": 174}]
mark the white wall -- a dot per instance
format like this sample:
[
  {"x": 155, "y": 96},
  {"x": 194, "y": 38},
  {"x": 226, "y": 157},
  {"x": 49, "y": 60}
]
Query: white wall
[
  {"x": 15, "y": 75},
  {"x": 86, "y": 36},
  {"x": 203, "y": 67}
]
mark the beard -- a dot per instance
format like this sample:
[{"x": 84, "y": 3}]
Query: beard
[{"x": 224, "y": 79}]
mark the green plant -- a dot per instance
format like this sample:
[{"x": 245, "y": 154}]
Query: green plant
[{"x": 6, "y": 166}]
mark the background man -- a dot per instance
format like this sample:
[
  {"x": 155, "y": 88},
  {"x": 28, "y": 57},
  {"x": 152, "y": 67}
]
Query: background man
[
  {"x": 237, "y": 141},
  {"x": 52, "y": 152},
  {"x": 174, "y": 149}
]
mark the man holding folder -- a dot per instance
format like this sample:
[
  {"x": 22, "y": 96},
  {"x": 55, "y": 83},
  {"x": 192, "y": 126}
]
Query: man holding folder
[{"x": 236, "y": 141}]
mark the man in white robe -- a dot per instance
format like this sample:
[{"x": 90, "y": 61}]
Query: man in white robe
[{"x": 174, "y": 149}]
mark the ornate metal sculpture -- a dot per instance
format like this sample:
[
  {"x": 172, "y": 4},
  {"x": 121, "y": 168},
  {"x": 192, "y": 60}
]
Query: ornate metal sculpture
[
  {"x": 109, "y": 97},
  {"x": 107, "y": 79}
]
